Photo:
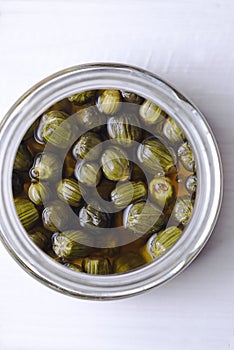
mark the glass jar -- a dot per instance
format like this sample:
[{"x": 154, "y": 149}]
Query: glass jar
[{"x": 209, "y": 172}]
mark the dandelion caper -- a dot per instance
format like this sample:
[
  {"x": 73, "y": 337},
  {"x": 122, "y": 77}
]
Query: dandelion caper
[
  {"x": 96, "y": 266},
  {"x": 130, "y": 97},
  {"x": 172, "y": 131},
  {"x": 124, "y": 129},
  {"x": 38, "y": 192},
  {"x": 23, "y": 159},
  {"x": 186, "y": 156},
  {"x": 191, "y": 184},
  {"x": 88, "y": 173},
  {"x": 88, "y": 147},
  {"x": 144, "y": 217},
  {"x": 26, "y": 212},
  {"x": 55, "y": 128},
  {"x": 150, "y": 113},
  {"x": 128, "y": 262},
  {"x": 82, "y": 97},
  {"x": 71, "y": 244},
  {"x": 128, "y": 193},
  {"x": 161, "y": 190},
  {"x": 40, "y": 238},
  {"x": 109, "y": 101},
  {"x": 46, "y": 166},
  {"x": 159, "y": 243},
  {"x": 115, "y": 164},
  {"x": 69, "y": 191},
  {"x": 155, "y": 157},
  {"x": 56, "y": 216},
  {"x": 90, "y": 118},
  {"x": 183, "y": 209},
  {"x": 93, "y": 216}
]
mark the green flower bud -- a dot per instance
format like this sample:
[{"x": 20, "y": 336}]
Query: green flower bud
[
  {"x": 56, "y": 216},
  {"x": 186, "y": 156},
  {"x": 26, "y": 212},
  {"x": 161, "y": 190},
  {"x": 46, "y": 166},
  {"x": 155, "y": 157},
  {"x": 88, "y": 173},
  {"x": 130, "y": 97},
  {"x": 82, "y": 97},
  {"x": 38, "y": 192},
  {"x": 40, "y": 237},
  {"x": 191, "y": 184},
  {"x": 172, "y": 131},
  {"x": 88, "y": 147},
  {"x": 90, "y": 119},
  {"x": 55, "y": 129},
  {"x": 124, "y": 129},
  {"x": 143, "y": 218},
  {"x": 150, "y": 113},
  {"x": 128, "y": 193},
  {"x": 93, "y": 216},
  {"x": 183, "y": 209},
  {"x": 72, "y": 245},
  {"x": 115, "y": 164},
  {"x": 159, "y": 243},
  {"x": 17, "y": 183},
  {"x": 69, "y": 191},
  {"x": 96, "y": 266},
  {"x": 23, "y": 159},
  {"x": 109, "y": 101}
]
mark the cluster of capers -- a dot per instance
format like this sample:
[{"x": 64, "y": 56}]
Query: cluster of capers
[{"x": 126, "y": 149}]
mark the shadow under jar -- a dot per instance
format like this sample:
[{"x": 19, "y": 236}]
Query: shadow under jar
[{"x": 112, "y": 181}]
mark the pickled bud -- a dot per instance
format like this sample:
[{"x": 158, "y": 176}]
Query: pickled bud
[
  {"x": 124, "y": 129},
  {"x": 74, "y": 267},
  {"x": 82, "y": 97},
  {"x": 88, "y": 147},
  {"x": 88, "y": 173},
  {"x": 186, "y": 156},
  {"x": 17, "y": 183},
  {"x": 143, "y": 218},
  {"x": 55, "y": 129},
  {"x": 128, "y": 193},
  {"x": 38, "y": 192},
  {"x": 115, "y": 164},
  {"x": 26, "y": 212},
  {"x": 109, "y": 101},
  {"x": 71, "y": 244},
  {"x": 46, "y": 166},
  {"x": 56, "y": 216},
  {"x": 93, "y": 216},
  {"x": 128, "y": 262},
  {"x": 90, "y": 118},
  {"x": 191, "y": 184},
  {"x": 150, "y": 113},
  {"x": 40, "y": 238},
  {"x": 69, "y": 191},
  {"x": 159, "y": 243},
  {"x": 183, "y": 209},
  {"x": 156, "y": 158},
  {"x": 96, "y": 266},
  {"x": 172, "y": 131},
  {"x": 23, "y": 159},
  {"x": 161, "y": 190},
  {"x": 130, "y": 97}
]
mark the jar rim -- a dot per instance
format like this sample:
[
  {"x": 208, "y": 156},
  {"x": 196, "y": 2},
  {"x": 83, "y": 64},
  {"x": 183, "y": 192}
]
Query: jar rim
[{"x": 209, "y": 168}]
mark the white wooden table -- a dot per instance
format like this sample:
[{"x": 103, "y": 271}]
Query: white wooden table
[{"x": 190, "y": 44}]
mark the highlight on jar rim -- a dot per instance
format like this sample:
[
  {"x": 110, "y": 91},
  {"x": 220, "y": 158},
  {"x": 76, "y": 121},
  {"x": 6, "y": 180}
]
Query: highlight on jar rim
[{"x": 104, "y": 182}]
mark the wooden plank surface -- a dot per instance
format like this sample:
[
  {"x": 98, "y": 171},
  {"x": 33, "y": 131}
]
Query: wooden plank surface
[{"x": 190, "y": 44}]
